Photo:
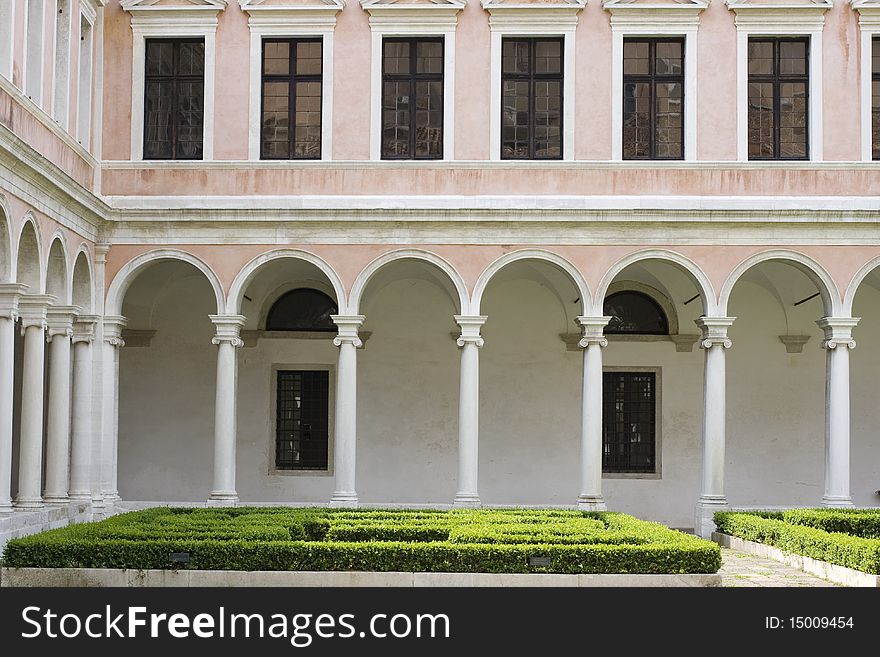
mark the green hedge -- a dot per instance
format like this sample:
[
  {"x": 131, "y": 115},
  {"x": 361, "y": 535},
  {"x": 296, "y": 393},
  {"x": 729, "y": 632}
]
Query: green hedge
[
  {"x": 491, "y": 541},
  {"x": 845, "y": 550},
  {"x": 855, "y": 522}
]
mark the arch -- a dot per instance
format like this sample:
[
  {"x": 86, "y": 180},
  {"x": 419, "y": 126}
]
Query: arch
[
  {"x": 367, "y": 273},
  {"x": 247, "y": 273},
  {"x": 858, "y": 278},
  {"x": 29, "y": 256},
  {"x": 82, "y": 292},
  {"x": 558, "y": 261},
  {"x": 688, "y": 266},
  {"x": 813, "y": 270},
  {"x": 7, "y": 262},
  {"x": 57, "y": 282},
  {"x": 130, "y": 271}
]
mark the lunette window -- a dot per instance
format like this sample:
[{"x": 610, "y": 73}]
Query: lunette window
[
  {"x": 634, "y": 313},
  {"x": 629, "y": 422},
  {"x": 291, "y": 99},
  {"x": 174, "y": 94},
  {"x": 531, "y": 98},
  {"x": 301, "y": 420},
  {"x": 778, "y": 95},
  {"x": 412, "y": 99}
]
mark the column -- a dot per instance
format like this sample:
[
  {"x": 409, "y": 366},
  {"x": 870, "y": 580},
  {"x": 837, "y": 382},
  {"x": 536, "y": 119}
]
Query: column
[
  {"x": 113, "y": 342},
  {"x": 345, "y": 454},
  {"x": 228, "y": 341},
  {"x": 10, "y": 293},
  {"x": 81, "y": 430},
  {"x": 715, "y": 341},
  {"x": 32, "y": 310},
  {"x": 59, "y": 332},
  {"x": 469, "y": 410},
  {"x": 837, "y": 345},
  {"x": 592, "y": 342}
]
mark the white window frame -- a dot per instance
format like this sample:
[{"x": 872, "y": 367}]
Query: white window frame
[
  {"x": 512, "y": 19},
  {"x": 290, "y": 22},
  {"x": 869, "y": 26},
  {"x": 83, "y": 131},
  {"x": 33, "y": 44},
  {"x": 404, "y": 19},
  {"x": 804, "y": 18},
  {"x": 7, "y": 32},
  {"x": 193, "y": 20},
  {"x": 630, "y": 19},
  {"x": 61, "y": 68}
]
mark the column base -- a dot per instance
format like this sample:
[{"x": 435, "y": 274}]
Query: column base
[
  {"x": 81, "y": 496},
  {"x": 345, "y": 500},
  {"x": 837, "y": 500},
  {"x": 111, "y": 497},
  {"x": 704, "y": 523},
  {"x": 56, "y": 500},
  {"x": 223, "y": 498},
  {"x": 6, "y": 509},
  {"x": 29, "y": 504},
  {"x": 591, "y": 503},
  {"x": 467, "y": 501}
]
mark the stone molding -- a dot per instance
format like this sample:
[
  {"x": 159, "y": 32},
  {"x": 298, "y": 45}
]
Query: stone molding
[
  {"x": 470, "y": 329},
  {"x": 227, "y": 329},
  {"x": 59, "y": 321},
  {"x": 838, "y": 331},
  {"x": 715, "y": 331},
  {"x": 348, "y": 330},
  {"x": 32, "y": 310}
]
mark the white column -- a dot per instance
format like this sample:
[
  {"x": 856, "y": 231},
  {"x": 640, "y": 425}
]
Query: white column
[
  {"x": 113, "y": 342},
  {"x": 837, "y": 344},
  {"x": 345, "y": 444},
  {"x": 101, "y": 384},
  {"x": 592, "y": 342},
  {"x": 32, "y": 310},
  {"x": 712, "y": 498},
  {"x": 9, "y": 297},
  {"x": 81, "y": 430},
  {"x": 469, "y": 410},
  {"x": 59, "y": 333},
  {"x": 228, "y": 341}
]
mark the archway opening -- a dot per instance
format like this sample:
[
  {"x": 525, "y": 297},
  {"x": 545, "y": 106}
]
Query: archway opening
[
  {"x": 28, "y": 259},
  {"x": 56, "y": 273},
  {"x": 81, "y": 292}
]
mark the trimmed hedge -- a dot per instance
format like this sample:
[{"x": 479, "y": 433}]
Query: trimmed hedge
[
  {"x": 838, "y": 548},
  {"x": 855, "y": 522},
  {"x": 489, "y": 541}
]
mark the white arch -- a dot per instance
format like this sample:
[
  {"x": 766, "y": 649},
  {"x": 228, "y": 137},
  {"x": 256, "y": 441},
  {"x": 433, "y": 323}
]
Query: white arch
[
  {"x": 29, "y": 218},
  {"x": 849, "y": 296},
  {"x": 130, "y": 271},
  {"x": 814, "y": 271},
  {"x": 66, "y": 274},
  {"x": 247, "y": 273},
  {"x": 699, "y": 277},
  {"x": 7, "y": 237},
  {"x": 561, "y": 263},
  {"x": 83, "y": 250},
  {"x": 366, "y": 274}
]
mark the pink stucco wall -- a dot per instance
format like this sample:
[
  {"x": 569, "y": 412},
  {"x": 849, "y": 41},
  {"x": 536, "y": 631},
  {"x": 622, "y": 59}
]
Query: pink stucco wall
[
  {"x": 840, "y": 66},
  {"x": 716, "y": 84},
  {"x": 592, "y": 136},
  {"x": 117, "y": 84},
  {"x": 472, "y": 84}
]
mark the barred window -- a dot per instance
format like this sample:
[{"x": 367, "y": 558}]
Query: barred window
[
  {"x": 653, "y": 99},
  {"x": 531, "y": 98},
  {"x": 629, "y": 409},
  {"x": 174, "y": 94},
  {"x": 412, "y": 99},
  {"x": 291, "y": 99},
  {"x": 875, "y": 98},
  {"x": 635, "y": 313},
  {"x": 301, "y": 420},
  {"x": 302, "y": 309},
  {"x": 778, "y": 98}
]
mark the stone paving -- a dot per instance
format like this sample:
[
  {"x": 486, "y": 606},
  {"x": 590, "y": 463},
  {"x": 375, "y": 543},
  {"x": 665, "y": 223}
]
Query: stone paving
[{"x": 746, "y": 570}]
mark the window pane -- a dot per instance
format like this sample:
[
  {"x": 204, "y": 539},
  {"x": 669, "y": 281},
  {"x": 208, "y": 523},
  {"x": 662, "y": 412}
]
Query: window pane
[
  {"x": 396, "y": 57},
  {"x": 793, "y": 119},
  {"x": 668, "y": 58},
  {"x": 548, "y": 103},
  {"x": 158, "y": 113},
  {"x": 190, "y": 112},
  {"x": 160, "y": 58},
  {"x": 276, "y": 119},
  {"x": 429, "y": 119},
  {"x": 636, "y": 119},
  {"x": 548, "y": 57},
  {"x": 515, "y": 119},
  {"x": 276, "y": 58},
  {"x": 636, "y": 57},
  {"x": 396, "y": 119},
  {"x": 307, "y": 140},
  {"x": 308, "y": 58},
  {"x": 191, "y": 58},
  {"x": 792, "y": 58},
  {"x": 760, "y": 57},
  {"x": 429, "y": 57},
  {"x": 875, "y": 118},
  {"x": 760, "y": 120},
  {"x": 515, "y": 56},
  {"x": 668, "y": 120}
]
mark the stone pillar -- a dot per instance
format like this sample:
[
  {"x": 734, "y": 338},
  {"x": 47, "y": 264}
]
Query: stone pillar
[
  {"x": 228, "y": 342},
  {"x": 113, "y": 342},
  {"x": 715, "y": 342},
  {"x": 32, "y": 310},
  {"x": 469, "y": 410},
  {"x": 345, "y": 455},
  {"x": 592, "y": 342},
  {"x": 59, "y": 332},
  {"x": 837, "y": 344},
  {"x": 10, "y": 293},
  {"x": 81, "y": 430}
]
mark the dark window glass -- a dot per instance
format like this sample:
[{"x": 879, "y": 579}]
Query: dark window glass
[
  {"x": 292, "y": 86},
  {"x": 174, "y": 92},
  {"x": 412, "y": 99},
  {"x": 301, "y": 420},
  {"x": 634, "y": 312},
  {"x": 629, "y": 407},
  {"x": 778, "y": 98},
  {"x": 303, "y": 309},
  {"x": 531, "y": 99},
  {"x": 653, "y": 99},
  {"x": 875, "y": 98}
]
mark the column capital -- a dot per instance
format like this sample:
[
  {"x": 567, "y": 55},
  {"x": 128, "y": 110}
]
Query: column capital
[
  {"x": 593, "y": 328},
  {"x": 715, "y": 331},
  {"x": 84, "y": 328},
  {"x": 838, "y": 331},
  {"x": 113, "y": 325},
  {"x": 348, "y": 329},
  {"x": 32, "y": 310},
  {"x": 101, "y": 251},
  {"x": 470, "y": 329},
  {"x": 10, "y": 293},
  {"x": 228, "y": 328},
  {"x": 59, "y": 321}
]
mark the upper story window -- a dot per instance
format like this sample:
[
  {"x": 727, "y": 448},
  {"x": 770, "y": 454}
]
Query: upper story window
[
  {"x": 291, "y": 99},
  {"x": 531, "y": 98},
  {"x": 302, "y": 309},
  {"x": 634, "y": 313},
  {"x": 174, "y": 94},
  {"x": 875, "y": 98},
  {"x": 412, "y": 98},
  {"x": 653, "y": 98},
  {"x": 778, "y": 98}
]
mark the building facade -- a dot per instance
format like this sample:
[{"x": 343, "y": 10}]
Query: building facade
[{"x": 549, "y": 252}]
